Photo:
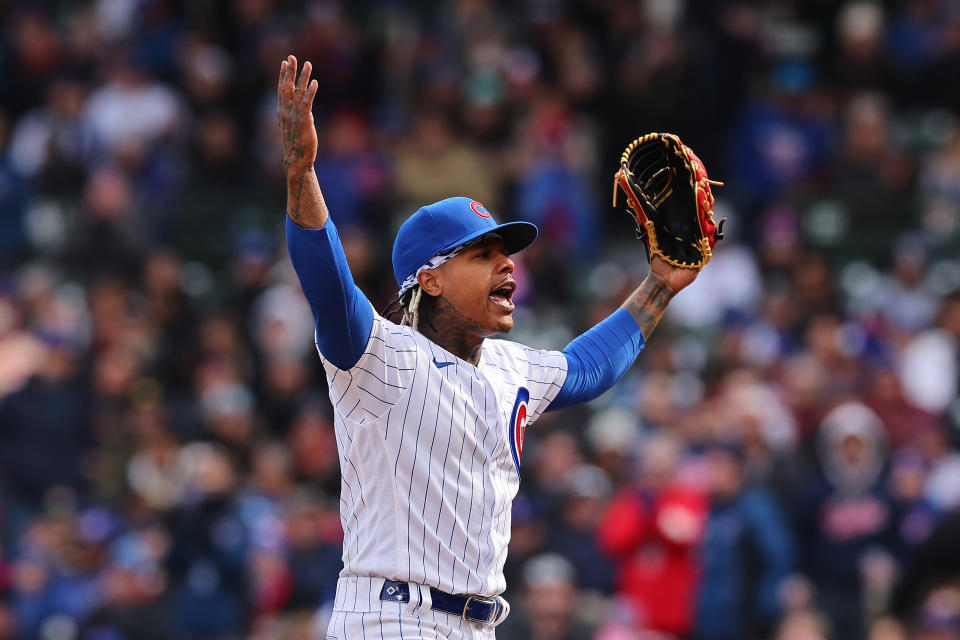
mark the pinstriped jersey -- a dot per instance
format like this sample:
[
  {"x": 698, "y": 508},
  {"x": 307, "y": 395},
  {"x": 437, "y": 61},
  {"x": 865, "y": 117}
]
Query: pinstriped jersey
[{"x": 430, "y": 448}]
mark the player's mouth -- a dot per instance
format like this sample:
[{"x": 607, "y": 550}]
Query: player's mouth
[{"x": 502, "y": 295}]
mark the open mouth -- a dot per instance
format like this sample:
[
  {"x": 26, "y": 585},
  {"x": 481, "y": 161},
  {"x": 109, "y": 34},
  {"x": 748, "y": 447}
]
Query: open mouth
[{"x": 502, "y": 296}]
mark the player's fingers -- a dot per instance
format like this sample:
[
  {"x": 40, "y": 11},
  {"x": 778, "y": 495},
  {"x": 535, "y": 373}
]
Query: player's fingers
[
  {"x": 304, "y": 76},
  {"x": 283, "y": 76},
  {"x": 286, "y": 81},
  {"x": 292, "y": 71},
  {"x": 305, "y": 99},
  {"x": 310, "y": 93}
]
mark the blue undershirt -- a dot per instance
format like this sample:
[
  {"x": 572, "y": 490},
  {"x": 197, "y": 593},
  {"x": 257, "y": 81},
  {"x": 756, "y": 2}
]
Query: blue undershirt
[
  {"x": 342, "y": 314},
  {"x": 596, "y": 360}
]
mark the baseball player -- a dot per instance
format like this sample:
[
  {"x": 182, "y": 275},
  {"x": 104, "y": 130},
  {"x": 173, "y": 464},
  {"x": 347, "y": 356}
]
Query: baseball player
[{"x": 430, "y": 414}]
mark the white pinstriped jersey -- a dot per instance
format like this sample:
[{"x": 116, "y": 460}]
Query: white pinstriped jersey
[{"x": 430, "y": 449}]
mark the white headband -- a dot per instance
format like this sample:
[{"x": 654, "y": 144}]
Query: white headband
[{"x": 439, "y": 259}]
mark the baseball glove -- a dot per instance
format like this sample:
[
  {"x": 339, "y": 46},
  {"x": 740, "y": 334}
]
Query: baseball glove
[{"x": 668, "y": 190}]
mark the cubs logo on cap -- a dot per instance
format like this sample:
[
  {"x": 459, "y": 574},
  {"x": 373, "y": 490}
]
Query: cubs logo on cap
[
  {"x": 518, "y": 425},
  {"x": 479, "y": 209}
]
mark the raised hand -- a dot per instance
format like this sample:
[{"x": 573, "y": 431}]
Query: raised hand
[
  {"x": 305, "y": 204},
  {"x": 295, "y": 114}
]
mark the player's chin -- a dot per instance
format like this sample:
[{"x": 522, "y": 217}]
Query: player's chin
[
  {"x": 505, "y": 323},
  {"x": 501, "y": 320}
]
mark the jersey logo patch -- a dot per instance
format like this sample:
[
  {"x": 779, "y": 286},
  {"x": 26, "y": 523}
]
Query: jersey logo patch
[
  {"x": 518, "y": 425},
  {"x": 479, "y": 209},
  {"x": 441, "y": 365}
]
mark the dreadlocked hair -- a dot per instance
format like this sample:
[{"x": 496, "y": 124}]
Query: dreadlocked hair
[
  {"x": 411, "y": 311},
  {"x": 406, "y": 309}
]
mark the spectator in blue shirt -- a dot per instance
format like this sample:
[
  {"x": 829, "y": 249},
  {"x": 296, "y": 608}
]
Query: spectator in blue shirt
[{"x": 747, "y": 553}]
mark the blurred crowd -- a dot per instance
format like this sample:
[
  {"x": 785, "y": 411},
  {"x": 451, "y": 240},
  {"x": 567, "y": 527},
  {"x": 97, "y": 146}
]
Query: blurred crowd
[{"x": 781, "y": 463}]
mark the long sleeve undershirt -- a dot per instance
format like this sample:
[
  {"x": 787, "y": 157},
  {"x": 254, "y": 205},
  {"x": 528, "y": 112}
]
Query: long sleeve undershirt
[
  {"x": 342, "y": 314},
  {"x": 598, "y": 358}
]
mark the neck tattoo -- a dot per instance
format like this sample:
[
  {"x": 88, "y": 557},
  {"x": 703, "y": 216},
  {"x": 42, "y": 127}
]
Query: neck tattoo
[{"x": 446, "y": 326}]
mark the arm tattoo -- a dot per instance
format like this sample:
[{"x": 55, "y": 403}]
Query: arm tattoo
[
  {"x": 648, "y": 303},
  {"x": 296, "y": 193},
  {"x": 305, "y": 204}
]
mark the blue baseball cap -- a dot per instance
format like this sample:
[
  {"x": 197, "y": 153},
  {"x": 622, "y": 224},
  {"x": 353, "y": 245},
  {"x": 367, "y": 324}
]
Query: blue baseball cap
[{"x": 447, "y": 224}]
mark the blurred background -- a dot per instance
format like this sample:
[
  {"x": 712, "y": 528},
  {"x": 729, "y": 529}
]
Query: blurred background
[{"x": 782, "y": 461}]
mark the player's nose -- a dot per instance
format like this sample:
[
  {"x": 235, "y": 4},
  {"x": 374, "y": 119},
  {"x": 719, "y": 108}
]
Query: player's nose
[{"x": 506, "y": 264}]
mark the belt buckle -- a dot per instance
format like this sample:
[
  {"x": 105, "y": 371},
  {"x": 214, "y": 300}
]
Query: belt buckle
[{"x": 484, "y": 600}]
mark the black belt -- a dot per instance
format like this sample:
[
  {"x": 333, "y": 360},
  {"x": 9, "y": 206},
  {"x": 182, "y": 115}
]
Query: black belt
[{"x": 479, "y": 609}]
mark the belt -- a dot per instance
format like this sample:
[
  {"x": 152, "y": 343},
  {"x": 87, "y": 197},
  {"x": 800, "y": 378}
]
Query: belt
[{"x": 478, "y": 609}]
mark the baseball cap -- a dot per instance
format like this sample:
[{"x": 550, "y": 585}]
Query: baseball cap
[{"x": 449, "y": 223}]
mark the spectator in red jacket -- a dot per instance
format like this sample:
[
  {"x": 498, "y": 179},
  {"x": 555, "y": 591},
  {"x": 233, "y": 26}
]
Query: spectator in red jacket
[{"x": 652, "y": 530}]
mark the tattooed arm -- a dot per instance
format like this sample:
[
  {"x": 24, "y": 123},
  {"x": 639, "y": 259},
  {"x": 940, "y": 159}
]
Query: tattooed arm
[
  {"x": 597, "y": 359},
  {"x": 305, "y": 204},
  {"x": 650, "y": 300},
  {"x": 342, "y": 315}
]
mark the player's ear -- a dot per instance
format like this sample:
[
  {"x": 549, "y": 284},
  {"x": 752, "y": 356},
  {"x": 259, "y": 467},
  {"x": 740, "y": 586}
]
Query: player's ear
[{"x": 429, "y": 282}]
